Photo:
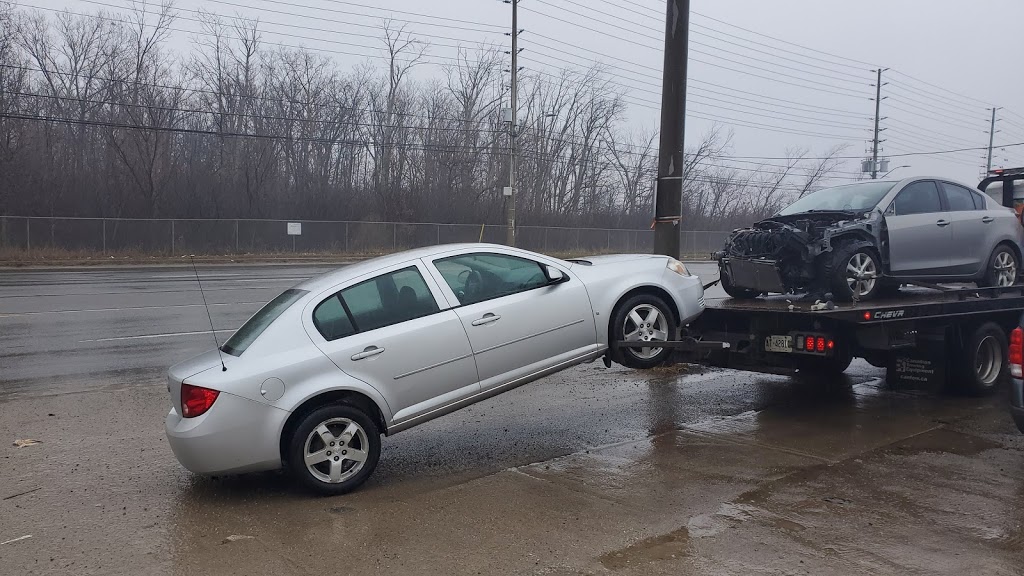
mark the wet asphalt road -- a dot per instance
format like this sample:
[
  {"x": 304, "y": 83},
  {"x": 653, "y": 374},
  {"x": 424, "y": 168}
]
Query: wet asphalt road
[{"x": 674, "y": 471}]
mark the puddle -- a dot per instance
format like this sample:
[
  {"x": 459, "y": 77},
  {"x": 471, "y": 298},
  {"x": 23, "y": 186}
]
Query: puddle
[
  {"x": 665, "y": 547},
  {"x": 944, "y": 441}
]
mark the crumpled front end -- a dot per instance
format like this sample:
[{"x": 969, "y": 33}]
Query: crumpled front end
[{"x": 782, "y": 254}]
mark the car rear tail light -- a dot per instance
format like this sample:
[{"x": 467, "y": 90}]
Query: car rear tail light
[
  {"x": 196, "y": 400},
  {"x": 1017, "y": 353},
  {"x": 820, "y": 344},
  {"x": 831, "y": 345},
  {"x": 809, "y": 344}
]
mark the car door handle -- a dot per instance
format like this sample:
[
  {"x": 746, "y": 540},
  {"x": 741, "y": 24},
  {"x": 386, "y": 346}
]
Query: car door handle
[
  {"x": 488, "y": 318},
  {"x": 942, "y": 223},
  {"x": 369, "y": 352},
  {"x": 988, "y": 219}
]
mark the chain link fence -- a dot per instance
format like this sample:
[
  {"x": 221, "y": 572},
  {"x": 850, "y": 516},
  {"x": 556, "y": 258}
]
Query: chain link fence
[{"x": 243, "y": 236}]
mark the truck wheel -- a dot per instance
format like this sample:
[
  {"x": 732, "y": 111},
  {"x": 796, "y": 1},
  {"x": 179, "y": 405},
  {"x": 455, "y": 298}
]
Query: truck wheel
[
  {"x": 334, "y": 449},
  {"x": 854, "y": 270},
  {"x": 645, "y": 318},
  {"x": 982, "y": 366},
  {"x": 735, "y": 291},
  {"x": 1002, "y": 268}
]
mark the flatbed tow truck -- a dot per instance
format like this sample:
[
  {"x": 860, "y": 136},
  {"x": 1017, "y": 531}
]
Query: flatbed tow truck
[{"x": 927, "y": 335}]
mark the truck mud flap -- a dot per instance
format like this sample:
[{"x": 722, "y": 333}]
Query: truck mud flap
[{"x": 759, "y": 275}]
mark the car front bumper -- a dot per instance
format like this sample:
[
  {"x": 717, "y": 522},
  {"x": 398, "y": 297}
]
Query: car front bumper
[
  {"x": 688, "y": 293},
  {"x": 235, "y": 435},
  {"x": 1017, "y": 403}
]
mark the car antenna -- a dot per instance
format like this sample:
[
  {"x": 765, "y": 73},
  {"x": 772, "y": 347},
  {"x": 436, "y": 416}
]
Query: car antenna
[{"x": 223, "y": 367}]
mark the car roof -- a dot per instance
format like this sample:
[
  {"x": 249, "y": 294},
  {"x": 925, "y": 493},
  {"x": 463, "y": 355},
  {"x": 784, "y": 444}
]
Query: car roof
[{"x": 363, "y": 267}]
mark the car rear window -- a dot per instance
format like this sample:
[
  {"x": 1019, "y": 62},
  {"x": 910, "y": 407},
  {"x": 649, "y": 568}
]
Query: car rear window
[{"x": 255, "y": 326}]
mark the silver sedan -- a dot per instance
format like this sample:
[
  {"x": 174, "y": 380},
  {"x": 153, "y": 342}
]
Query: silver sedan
[{"x": 314, "y": 378}]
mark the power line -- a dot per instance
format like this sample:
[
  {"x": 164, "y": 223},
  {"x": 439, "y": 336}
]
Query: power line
[
  {"x": 908, "y": 95},
  {"x": 731, "y": 93},
  {"x": 806, "y": 119},
  {"x": 114, "y": 104},
  {"x": 212, "y": 92},
  {"x": 645, "y": 28},
  {"x": 201, "y": 33},
  {"x": 657, "y": 48}
]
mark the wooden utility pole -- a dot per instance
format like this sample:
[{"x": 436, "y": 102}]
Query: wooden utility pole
[
  {"x": 510, "y": 200},
  {"x": 668, "y": 200}
]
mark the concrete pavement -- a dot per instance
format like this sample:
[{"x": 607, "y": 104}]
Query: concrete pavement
[{"x": 592, "y": 471}]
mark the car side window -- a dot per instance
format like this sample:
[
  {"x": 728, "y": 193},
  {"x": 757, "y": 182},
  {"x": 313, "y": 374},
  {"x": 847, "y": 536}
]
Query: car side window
[
  {"x": 483, "y": 276},
  {"x": 382, "y": 301},
  {"x": 979, "y": 201},
  {"x": 918, "y": 198},
  {"x": 960, "y": 199}
]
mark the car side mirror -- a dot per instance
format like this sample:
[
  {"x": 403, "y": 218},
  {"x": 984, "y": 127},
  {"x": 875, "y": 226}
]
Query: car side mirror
[{"x": 554, "y": 275}]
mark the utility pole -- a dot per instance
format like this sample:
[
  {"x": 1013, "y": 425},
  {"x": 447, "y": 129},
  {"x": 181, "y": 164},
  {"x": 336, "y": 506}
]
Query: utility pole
[
  {"x": 668, "y": 200},
  {"x": 991, "y": 139},
  {"x": 878, "y": 107},
  {"x": 510, "y": 198}
]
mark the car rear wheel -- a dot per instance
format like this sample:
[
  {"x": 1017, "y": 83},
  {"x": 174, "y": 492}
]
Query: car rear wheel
[
  {"x": 1002, "y": 268},
  {"x": 642, "y": 318},
  {"x": 334, "y": 449}
]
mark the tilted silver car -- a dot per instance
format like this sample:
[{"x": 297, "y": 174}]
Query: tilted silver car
[
  {"x": 314, "y": 378},
  {"x": 862, "y": 240}
]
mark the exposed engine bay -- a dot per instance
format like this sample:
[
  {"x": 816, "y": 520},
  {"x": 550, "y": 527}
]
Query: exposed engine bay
[{"x": 789, "y": 254}]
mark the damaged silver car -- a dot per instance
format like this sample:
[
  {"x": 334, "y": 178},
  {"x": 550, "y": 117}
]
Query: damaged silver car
[{"x": 862, "y": 241}]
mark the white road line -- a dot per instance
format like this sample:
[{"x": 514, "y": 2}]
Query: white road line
[
  {"x": 16, "y": 314},
  {"x": 148, "y": 336}
]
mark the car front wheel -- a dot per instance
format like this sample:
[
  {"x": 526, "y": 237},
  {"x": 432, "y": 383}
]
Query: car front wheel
[
  {"x": 643, "y": 318},
  {"x": 334, "y": 449},
  {"x": 855, "y": 272}
]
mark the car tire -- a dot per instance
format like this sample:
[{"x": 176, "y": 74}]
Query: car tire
[
  {"x": 352, "y": 431},
  {"x": 735, "y": 291},
  {"x": 857, "y": 254},
  {"x": 995, "y": 272},
  {"x": 632, "y": 320},
  {"x": 981, "y": 367}
]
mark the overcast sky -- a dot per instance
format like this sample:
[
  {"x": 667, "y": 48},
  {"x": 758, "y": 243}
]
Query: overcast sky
[{"x": 773, "y": 95}]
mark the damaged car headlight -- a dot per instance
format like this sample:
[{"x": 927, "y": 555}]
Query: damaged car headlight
[{"x": 677, "y": 267}]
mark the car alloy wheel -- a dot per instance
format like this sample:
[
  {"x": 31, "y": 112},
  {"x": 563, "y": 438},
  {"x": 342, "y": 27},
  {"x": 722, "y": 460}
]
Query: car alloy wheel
[
  {"x": 1005, "y": 269},
  {"x": 861, "y": 273},
  {"x": 336, "y": 450},
  {"x": 645, "y": 323}
]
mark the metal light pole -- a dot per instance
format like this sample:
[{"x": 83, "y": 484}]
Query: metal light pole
[
  {"x": 991, "y": 139},
  {"x": 878, "y": 106},
  {"x": 668, "y": 202}
]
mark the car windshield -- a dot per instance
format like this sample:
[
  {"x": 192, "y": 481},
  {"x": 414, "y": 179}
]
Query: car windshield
[
  {"x": 850, "y": 198},
  {"x": 255, "y": 326}
]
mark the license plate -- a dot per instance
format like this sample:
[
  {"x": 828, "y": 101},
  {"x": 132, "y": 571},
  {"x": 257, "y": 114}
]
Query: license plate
[{"x": 778, "y": 344}]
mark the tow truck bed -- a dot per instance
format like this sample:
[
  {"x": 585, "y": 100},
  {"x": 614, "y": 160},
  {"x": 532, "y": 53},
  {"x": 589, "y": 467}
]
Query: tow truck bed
[{"x": 922, "y": 334}]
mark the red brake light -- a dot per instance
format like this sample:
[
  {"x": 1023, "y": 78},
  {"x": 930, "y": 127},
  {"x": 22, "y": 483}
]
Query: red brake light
[
  {"x": 1017, "y": 353},
  {"x": 831, "y": 344},
  {"x": 809, "y": 344},
  {"x": 196, "y": 400},
  {"x": 820, "y": 346},
  {"x": 867, "y": 315}
]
